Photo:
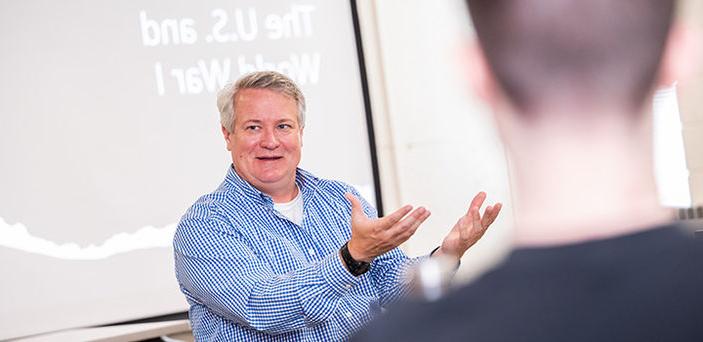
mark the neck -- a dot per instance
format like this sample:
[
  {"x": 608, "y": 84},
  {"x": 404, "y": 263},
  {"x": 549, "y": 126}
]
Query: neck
[
  {"x": 282, "y": 191},
  {"x": 583, "y": 183},
  {"x": 281, "y": 194},
  {"x": 285, "y": 196}
]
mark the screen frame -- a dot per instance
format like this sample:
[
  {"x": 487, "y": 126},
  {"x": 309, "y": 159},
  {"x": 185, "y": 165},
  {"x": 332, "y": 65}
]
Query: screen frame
[{"x": 367, "y": 108}]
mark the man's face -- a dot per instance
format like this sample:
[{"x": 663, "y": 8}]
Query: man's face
[{"x": 266, "y": 139}]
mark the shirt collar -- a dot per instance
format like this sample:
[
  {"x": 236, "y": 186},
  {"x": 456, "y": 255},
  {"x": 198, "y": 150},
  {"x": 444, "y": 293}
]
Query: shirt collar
[{"x": 307, "y": 183}]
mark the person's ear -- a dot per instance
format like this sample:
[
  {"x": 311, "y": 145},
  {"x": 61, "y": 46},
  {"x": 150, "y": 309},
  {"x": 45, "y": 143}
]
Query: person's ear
[
  {"x": 301, "y": 135},
  {"x": 486, "y": 87},
  {"x": 227, "y": 136},
  {"x": 478, "y": 72},
  {"x": 682, "y": 52}
]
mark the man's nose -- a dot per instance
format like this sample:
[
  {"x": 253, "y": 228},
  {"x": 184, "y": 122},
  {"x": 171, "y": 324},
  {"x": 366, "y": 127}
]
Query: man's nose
[{"x": 269, "y": 140}]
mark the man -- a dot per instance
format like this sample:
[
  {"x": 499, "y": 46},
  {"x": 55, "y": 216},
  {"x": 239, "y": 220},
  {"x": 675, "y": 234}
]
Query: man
[
  {"x": 277, "y": 254},
  {"x": 597, "y": 258}
]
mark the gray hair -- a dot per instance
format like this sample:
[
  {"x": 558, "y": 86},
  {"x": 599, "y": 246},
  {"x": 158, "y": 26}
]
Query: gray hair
[{"x": 270, "y": 80}]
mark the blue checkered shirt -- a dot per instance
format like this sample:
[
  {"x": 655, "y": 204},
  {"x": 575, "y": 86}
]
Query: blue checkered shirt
[{"x": 249, "y": 274}]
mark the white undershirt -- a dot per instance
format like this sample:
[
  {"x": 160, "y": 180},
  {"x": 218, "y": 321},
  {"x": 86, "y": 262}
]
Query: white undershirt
[{"x": 292, "y": 210}]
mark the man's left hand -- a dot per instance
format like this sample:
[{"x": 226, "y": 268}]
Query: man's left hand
[{"x": 469, "y": 229}]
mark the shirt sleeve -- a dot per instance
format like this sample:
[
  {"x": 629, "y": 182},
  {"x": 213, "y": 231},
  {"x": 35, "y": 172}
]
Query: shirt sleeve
[
  {"x": 388, "y": 271},
  {"x": 217, "y": 269}
]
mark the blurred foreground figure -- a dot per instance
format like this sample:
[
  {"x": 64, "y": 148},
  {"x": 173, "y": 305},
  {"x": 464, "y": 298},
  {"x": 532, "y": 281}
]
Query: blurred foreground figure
[{"x": 596, "y": 257}]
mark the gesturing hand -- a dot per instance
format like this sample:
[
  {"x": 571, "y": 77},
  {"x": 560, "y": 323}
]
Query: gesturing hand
[
  {"x": 371, "y": 238},
  {"x": 469, "y": 229}
]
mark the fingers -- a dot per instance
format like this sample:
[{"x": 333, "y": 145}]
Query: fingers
[
  {"x": 401, "y": 231},
  {"x": 387, "y": 221},
  {"x": 469, "y": 225},
  {"x": 490, "y": 214},
  {"x": 414, "y": 223},
  {"x": 477, "y": 202},
  {"x": 476, "y": 218},
  {"x": 416, "y": 219},
  {"x": 486, "y": 218},
  {"x": 395, "y": 216},
  {"x": 404, "y": 229},
  {"x": 355, "y": 204}
]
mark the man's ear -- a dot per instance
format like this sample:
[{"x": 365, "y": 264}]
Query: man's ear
[
  {"x": 682, "y": 53},
  {"x": 301, "y": 135},
  {"x": 227, "y": 136}
]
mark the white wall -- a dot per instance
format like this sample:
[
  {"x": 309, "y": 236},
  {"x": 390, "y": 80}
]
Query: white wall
[{"x": 437, "y": 143}]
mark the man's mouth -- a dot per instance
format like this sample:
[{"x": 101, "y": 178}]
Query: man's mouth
[{"x": 268, "y": 158}]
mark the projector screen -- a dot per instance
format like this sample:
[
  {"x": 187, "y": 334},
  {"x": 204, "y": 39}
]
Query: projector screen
[{"x": 109, "y": 132}]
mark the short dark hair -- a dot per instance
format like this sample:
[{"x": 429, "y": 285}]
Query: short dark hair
[{"x": 587, "y": 52}]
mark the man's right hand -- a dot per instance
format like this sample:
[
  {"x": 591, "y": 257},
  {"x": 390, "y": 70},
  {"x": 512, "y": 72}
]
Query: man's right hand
[{"x": 373, "y": 237}]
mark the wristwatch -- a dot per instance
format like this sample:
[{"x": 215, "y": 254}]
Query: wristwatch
[{"x": 355, "y": 267}]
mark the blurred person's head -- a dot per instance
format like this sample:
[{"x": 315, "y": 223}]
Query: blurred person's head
[
  {"x": 593, "y": 55},
  {"x": 570, "y": 83}
]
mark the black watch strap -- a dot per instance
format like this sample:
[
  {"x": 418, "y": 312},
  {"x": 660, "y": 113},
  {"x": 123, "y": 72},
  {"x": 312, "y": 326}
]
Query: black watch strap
[
  {"x": 355, "y": 267},
  {"x": 458, "y": 263}
]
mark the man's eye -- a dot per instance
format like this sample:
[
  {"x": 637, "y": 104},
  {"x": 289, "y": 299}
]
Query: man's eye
[
  {"x": 251, "y": 128},
  {"x": 285, "y": 126}
]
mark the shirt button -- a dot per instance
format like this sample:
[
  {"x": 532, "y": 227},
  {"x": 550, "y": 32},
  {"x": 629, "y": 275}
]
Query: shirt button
[
  {"x": 348, "y": 286},
  {"x": 311, "y": 251},
  {"x": 349, "y": 314}
]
